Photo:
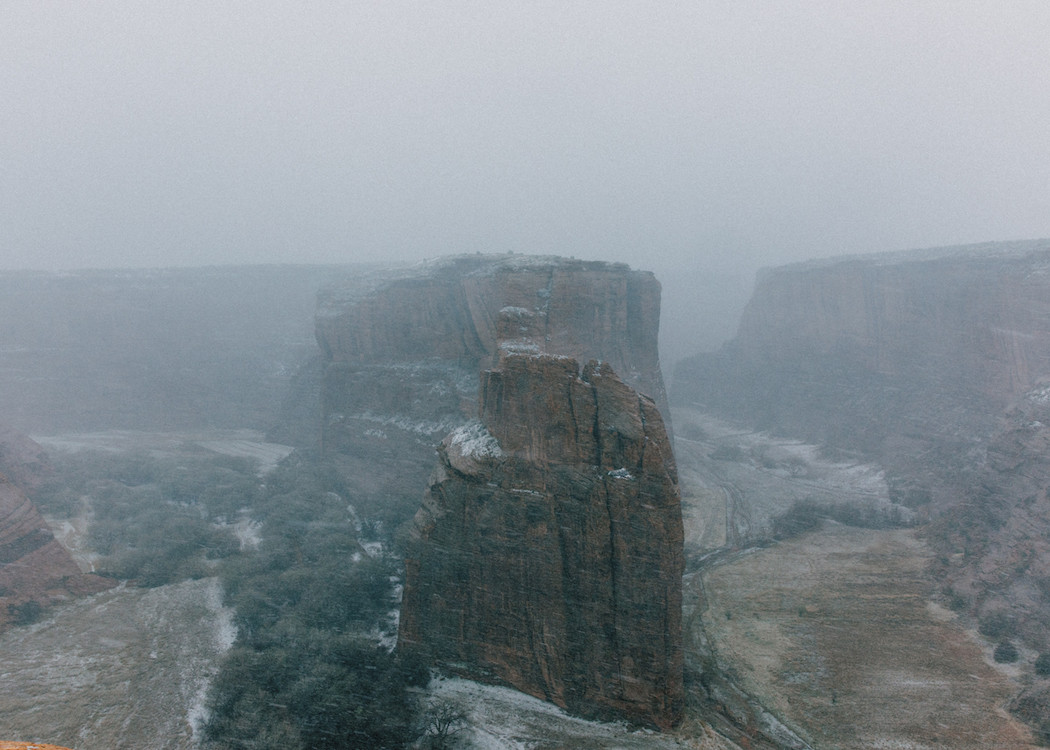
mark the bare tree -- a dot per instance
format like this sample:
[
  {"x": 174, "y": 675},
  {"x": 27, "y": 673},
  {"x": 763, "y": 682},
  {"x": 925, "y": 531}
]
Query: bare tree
[{"x": 442, "y": 721}]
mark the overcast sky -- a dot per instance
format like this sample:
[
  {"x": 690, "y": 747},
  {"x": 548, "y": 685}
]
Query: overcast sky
[{"x": 712, "y": 135}]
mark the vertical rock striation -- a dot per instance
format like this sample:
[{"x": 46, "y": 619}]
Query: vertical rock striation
[{"x": 548, "y": 553}]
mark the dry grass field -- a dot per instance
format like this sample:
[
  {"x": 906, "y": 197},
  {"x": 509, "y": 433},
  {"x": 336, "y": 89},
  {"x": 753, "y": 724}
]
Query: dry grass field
[{"x": 834, "y": 632}]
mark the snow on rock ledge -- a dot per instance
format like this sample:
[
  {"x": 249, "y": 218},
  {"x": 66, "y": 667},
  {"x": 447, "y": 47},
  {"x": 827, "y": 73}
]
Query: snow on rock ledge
[{"x": 471, "y": 448}]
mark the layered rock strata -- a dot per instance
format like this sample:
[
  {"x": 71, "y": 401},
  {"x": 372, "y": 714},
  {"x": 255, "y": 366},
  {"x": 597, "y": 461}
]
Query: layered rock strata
[
  {"x": 937, "y": 365},
  {"x": 35, "y": 570},
  {"x": 548, "y": 553}
]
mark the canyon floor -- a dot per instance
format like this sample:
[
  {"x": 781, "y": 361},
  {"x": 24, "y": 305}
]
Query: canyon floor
[{"x": 833, "y": 631}]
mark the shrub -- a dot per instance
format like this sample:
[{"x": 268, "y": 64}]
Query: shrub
[
  {"x": 997, "y": 625},
  {"x": 1005, "y": 653},
  {"x": 1042, "y": 665},
  {"x": 25, "y": 613}
]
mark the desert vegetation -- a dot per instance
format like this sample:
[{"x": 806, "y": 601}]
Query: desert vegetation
[{"x": 313, "y": 588}]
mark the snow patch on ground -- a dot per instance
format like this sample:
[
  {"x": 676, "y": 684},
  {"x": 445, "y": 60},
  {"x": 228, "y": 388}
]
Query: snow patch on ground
[
  {"x": 519, "y": 346},
  {"x": 248, "y": 532},
  {"x": 243, "y": 443},
  {"x": 500, "y": 718},
  {"x": 71, "y": 533},
  {"x": 1039, "y": 395},
  {"x": 225, "y": 636},
  {"x": 125, "y": 668}
]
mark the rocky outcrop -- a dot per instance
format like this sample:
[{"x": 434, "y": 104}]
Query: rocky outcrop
[
  {"x": 35, "y": 570},
  {"x": 402, "y": 350},
  {"x": 441, "y": 320},
  {"x": 548, "y": 551},
  {"x": 22, "y": 460}
]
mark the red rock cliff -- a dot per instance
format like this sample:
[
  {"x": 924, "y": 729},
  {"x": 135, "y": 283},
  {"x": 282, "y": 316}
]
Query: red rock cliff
[
  {"x": 548, "y": 552},
  {"x": 402, "y": 351}
]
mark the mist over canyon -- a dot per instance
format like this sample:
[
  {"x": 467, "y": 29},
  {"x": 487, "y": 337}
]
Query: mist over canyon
[{"x": 453, "y": 504}]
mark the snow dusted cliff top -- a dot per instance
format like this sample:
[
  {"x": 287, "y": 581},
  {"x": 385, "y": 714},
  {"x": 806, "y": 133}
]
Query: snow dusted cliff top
[
  {"x": 334, "y": 296},
  {"x": 1012, "y": 250}
]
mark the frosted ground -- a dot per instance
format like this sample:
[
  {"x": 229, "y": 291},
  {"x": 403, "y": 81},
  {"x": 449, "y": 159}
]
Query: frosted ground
[{"x": 127, "y": 668}]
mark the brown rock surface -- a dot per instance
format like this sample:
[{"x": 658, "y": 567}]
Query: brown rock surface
[
  {"x": 35, "y": 570},
  {"x": 444, "y": 320},
  {"x": 548, "y": 551}
]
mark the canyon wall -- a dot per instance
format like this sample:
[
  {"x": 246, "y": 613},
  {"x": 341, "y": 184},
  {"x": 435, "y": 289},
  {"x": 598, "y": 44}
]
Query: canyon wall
[
  {"x": 936, "y": 364},
  {"x": 857, "y": 351},
  {"x": 401, "y": 351},
  {"x": 446, "y": 313},
  {"x": 154, "y": 349}
]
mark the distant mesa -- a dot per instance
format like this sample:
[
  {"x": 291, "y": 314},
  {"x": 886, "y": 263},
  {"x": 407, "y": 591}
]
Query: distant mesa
[
  {"x": 857, "y": 350},
  {"x": 936, "y": 364}
]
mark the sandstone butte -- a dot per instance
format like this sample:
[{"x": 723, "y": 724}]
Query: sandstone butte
[
  {"x": 554, "y": 564},
  {"x": 548, "y": 553}
]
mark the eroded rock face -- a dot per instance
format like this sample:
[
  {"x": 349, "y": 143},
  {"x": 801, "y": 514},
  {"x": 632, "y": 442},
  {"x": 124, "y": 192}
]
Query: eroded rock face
[
  {"x": 548, "y": 553},
  {"x": 937, "y": 365},
  {"x": 402, "y": 351},
  {"x": 35, "y": 570}
]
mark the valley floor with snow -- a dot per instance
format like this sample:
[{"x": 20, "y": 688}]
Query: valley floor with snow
[{"x": 833, "y": 632}]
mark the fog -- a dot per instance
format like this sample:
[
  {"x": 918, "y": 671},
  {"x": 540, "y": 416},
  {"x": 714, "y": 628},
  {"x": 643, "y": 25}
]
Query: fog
[
  {"x": 701, "y": 140},
  {"x": 209, "y": 539}
]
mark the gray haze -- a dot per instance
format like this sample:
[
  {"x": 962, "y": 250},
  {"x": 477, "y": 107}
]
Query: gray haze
[{"x": 698, "y": 139}]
